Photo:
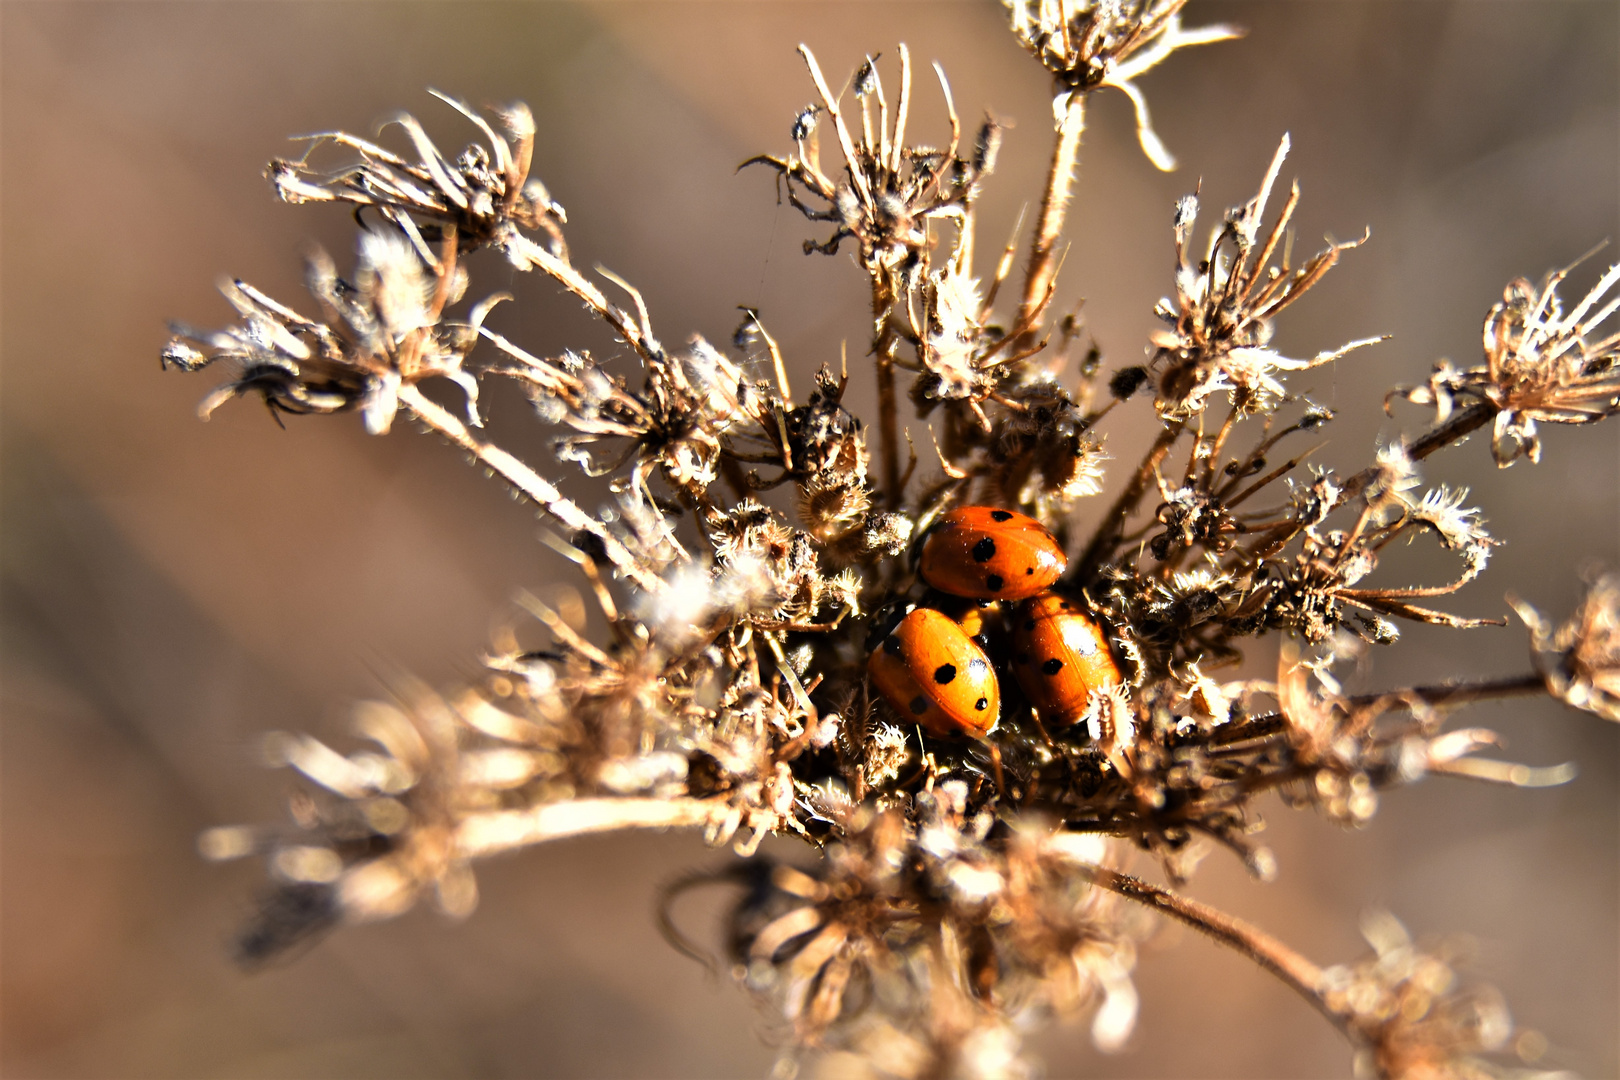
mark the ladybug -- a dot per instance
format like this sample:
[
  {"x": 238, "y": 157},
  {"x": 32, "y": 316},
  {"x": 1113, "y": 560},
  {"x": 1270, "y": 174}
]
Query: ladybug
[
  {"x": 1060, "y": 655},
  {"x": 929, "y": 670},
  {"x": 988, "y": 554}
]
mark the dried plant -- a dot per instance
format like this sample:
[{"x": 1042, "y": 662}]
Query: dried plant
[{"x": 955, "y": 890}]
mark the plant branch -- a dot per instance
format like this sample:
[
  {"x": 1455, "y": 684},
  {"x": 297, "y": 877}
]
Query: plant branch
[
  {"x": 1299, "y": 973},
  {"x": 528, "y": 482},
  {"x": 884, "y": 344},
  {"x": 1054, "y": 205},
  {"x": 505, "y": 830},
  {"x": 1108, "y": 529}
]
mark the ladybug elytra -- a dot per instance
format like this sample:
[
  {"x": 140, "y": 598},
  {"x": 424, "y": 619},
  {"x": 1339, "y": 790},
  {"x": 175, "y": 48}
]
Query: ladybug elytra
[
  {"x": 1060, "y": 655},
  {"x": 930, "y": 671},
  {"x": 988, "y": 554}
]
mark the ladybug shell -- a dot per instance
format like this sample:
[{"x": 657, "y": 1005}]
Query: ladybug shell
[
  {"x": 1060, "y": 655},
  {"x": 930, "y": 671},
  {"x": 989, "y": 554}
]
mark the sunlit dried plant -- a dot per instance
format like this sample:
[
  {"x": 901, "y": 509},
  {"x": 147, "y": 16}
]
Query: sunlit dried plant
[{"x": 955, "y": 890}]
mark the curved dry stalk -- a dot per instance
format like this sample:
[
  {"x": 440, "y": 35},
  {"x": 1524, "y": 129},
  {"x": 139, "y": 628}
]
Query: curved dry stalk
[{"x": 1300, "y": 974}]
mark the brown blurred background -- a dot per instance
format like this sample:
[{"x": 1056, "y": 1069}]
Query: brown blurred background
[{"x": 172, "y": 588}]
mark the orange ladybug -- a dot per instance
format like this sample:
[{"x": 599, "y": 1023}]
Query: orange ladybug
[
  {"x": 1060, "y": 655},
  {"x": 930, "y": 671},
  {"x": 989, "y": 554}
]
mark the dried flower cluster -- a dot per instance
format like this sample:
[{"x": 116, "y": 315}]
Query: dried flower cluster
[{"x": 956, "y": 890}]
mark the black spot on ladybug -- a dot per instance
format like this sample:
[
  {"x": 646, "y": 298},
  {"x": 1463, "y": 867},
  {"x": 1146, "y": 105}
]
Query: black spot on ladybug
[
  {"x": 984, "y": 550},
  {"x": 982, "y": 704},
  {"x": 919, "y": 705},
  {"x": 1028, "y": 570},
  {"x": 977, "y": 668},
  {"x": 944, "y": 673},
  {"x": 1000, "y": 515},
  {"x": 891, "y": 645},
  {"x": 1029, "y": 624},
  {"x": 994, "y": 582},
  {"x": 1052, "y": 666}
]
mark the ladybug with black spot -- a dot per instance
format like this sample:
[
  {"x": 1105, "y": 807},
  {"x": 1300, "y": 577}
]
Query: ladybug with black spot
[
  {"x": 929, "y": 670},
  {"x": 1060, "y": 656},
  {"x": 984, "y": 553}
]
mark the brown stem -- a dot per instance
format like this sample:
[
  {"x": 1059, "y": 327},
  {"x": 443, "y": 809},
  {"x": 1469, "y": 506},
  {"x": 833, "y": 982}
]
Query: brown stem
[
  {"x": 1461, "y": 423},
  {"x": 526, "y": 481},
  {"x": 1108, "y": 529},
  {"x": 1458, "y": 693},
  {"x": 1054, "y": 205},
  {"x": 1293, "y": 969}
]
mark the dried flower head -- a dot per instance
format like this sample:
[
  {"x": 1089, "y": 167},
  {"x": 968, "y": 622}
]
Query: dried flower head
[{"x": 1542, "y": 365}]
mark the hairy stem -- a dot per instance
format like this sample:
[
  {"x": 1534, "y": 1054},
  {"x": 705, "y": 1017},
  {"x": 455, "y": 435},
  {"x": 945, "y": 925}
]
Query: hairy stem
[
  {"x": 528, "y": 482},
  {"x": 1293, "y": 969},
  {"x": 1054, "y": 205},
  {"x": 884, "y": 343},
  {"x": 1458, "y": 425}
]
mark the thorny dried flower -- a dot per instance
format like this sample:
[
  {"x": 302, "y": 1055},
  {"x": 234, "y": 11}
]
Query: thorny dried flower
[
  {"x": 1540, "y": 367},
  {"x": 965, "y": 888}
]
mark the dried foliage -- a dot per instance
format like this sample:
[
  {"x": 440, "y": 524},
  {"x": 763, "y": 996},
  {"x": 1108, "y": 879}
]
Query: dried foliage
[{"x": 957, "y": 890}]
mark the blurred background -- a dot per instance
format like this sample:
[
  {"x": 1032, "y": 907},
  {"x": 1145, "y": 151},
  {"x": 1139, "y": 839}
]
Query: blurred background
[{"x": 172, "y": 589}]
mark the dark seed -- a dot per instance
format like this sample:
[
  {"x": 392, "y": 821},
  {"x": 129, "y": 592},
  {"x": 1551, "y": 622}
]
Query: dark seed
[
  {"x": 994, "y": 582},
  {"x": 1000, "y": 515},
  {"x": 919, "y": 704},
  {"x": 984, "y": 550},
  {"x": 982, "y": 704},
  {"x": 1052, "y": 666},
  {"x": 891, "y": 645},
  {"x": 944, "y": 673}
]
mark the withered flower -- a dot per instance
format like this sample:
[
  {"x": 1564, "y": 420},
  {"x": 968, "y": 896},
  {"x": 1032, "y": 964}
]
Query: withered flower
[
  {"x": 1220, "y": 323},
  {"x": 1542, "y": 365},
  {"x": 383, "y": 332},
  {"x": 1088, "y": 44},
  {"x": 1580, "y": 660}
]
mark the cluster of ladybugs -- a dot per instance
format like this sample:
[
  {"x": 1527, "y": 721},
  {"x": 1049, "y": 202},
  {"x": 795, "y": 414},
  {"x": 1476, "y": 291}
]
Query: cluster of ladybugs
[{"x": 932, "y": 667}]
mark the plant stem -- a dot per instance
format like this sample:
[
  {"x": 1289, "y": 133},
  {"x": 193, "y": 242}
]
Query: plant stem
[
  {"x": 1458, "y": 425},
  {"x": 1054, "y": 205},
  {"x": 528, "y": 482},
  {"x": 1108, "y": 529},
  {"x": 505, "y": 830},
  {"x": 884, "y": 344},
  {"x": 1293, "y": 969},
  {"x": 1459, "y": 693}
]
